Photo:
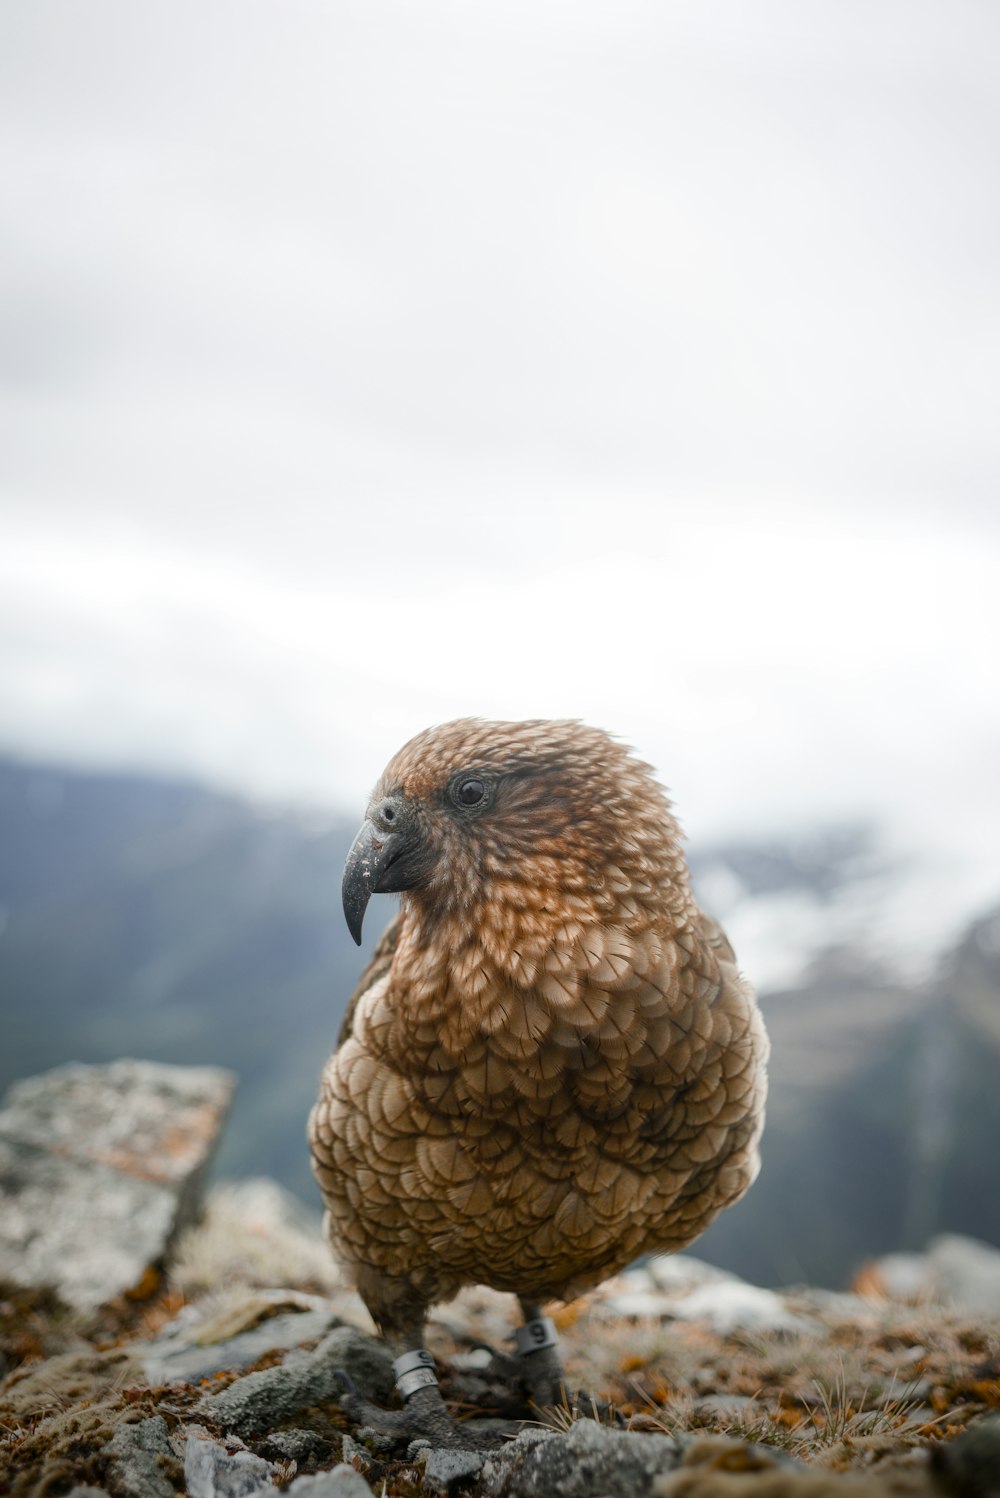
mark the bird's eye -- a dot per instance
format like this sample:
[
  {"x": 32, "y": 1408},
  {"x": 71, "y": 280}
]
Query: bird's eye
[{"x": 470, "y": 792}]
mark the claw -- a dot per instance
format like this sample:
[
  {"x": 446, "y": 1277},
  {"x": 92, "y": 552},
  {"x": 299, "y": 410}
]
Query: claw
[
  {"x": 346, "y": 1382},
  {"x": 423, "y": 1415}
]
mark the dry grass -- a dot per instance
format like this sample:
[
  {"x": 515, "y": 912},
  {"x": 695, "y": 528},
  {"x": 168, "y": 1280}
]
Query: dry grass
[
  {"x": 864, "y": 1390},
  {"x": 863, "y": 1386}
]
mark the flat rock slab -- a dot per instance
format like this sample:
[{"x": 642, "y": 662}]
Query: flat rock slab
[
  {"x": 144, "y": 1459},
  {"x": 210, "y": 1471},
  {"x": 195, "y": 1346},
  {"x": 732, "y": 1305},
  {"x": 446, "y": 1469},
  {"x": 260, "y": 1401},
  {"x": 100, "y": 1166},
  {"x": 590, "y": 1459},
  {"x": 340, "y": 1482},
  {"x": 966, "y": 1273},
  {"x": 956, "y": 1271}
]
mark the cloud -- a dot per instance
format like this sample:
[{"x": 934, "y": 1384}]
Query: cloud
[{"x": 362, "y": 367}]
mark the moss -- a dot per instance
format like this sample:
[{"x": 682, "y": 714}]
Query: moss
[
  {"x": 34, "y": 1323},
  {"x": 874, "y": 1389},
  {"x": 38, "y": 1389},
  {"x": 52, "y": 1454}
]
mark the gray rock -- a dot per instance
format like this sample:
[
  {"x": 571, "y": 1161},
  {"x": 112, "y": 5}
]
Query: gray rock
[
  {"x": 299, "y": 1445},
  {"x": 263, "y": 1400},
  {"x": 969, "y": 1467},
  {"x": 100, "y": 1166},
  {"x": 176, "y": 1356},
  {"x": 673, "y": 1287},
  {"x": 82, "y": 1490},
  {"x": 731, "y": 1304},
  {"x": 448, "y": 1468},
  {"x": 367, "y": 1360},
  {"x": 210, "y": 1471},
  {"x": 351, "y": 1449},
  {"x": 143, "y": 1454},
  {"x": 640, "y": 1304},
  {"x": 966, "y": 1273},
  {"x": 903, "y": 1276},
  {"x": 590, "y": 1459},
  {"x": 676, "y": 1272},
  {"x": 340, "y": 1482},
  {"x": 370, "y": 1442}
]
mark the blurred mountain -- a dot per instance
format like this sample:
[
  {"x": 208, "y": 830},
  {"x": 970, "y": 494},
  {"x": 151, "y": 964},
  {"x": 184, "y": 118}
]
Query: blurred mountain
[
  {"x": 154, "y": 918},
  {"x": 158, "y": 919},
  {"x": 883, "y": 1116}
]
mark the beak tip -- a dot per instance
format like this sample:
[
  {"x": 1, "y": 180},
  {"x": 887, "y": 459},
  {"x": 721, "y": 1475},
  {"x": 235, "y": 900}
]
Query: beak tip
[
  {"x": 354, "y": 917},
  {"x": 356, "y": 889}
]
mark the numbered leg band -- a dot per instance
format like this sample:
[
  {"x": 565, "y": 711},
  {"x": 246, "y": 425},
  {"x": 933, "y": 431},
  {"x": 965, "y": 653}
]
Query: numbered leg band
[
  {"x": 534, "y": 1335},
  {"x": 413, "y": 1371}
]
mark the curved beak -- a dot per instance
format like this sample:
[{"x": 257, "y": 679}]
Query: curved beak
[{"x": 378, "y": 863}]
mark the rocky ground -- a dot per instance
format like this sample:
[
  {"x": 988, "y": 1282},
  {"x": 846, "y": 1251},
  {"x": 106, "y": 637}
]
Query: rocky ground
[{"x": 213, "y": 1371}]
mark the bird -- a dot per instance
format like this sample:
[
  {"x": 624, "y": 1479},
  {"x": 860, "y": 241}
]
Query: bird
[{"x": 552, "y": 1064}]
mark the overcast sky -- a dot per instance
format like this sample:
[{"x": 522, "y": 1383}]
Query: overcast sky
[{"x": 366, "y": 365}]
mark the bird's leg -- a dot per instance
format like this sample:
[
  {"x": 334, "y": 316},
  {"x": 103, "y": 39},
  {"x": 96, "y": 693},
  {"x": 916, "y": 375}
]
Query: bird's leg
[
  {"x": 534, "y": 1367},
  {"x": 540, "y": 1369},
  {"x": 423, "y": 1413}
]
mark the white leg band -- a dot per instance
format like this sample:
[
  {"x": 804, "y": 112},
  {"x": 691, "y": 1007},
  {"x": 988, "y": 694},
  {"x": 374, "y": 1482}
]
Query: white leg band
[
  {"x": 417, "y": 1378},
  {"x": 534, "y": 1335},
  {"x": 413, "y": 1371}
]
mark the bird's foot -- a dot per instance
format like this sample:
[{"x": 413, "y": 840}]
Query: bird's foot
[
  {"x": 423, "y": 1417},
  {"x": 537, "y": 1379},
  {"x": 543, "y": 1378},
  {"x": 537, "y": 1376}
]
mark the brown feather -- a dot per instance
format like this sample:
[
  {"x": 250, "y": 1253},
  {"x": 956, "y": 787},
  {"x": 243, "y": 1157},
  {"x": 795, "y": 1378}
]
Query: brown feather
[{"x": 551, "y": 1063}]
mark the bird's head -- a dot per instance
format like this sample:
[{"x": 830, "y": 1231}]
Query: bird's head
[{"x": 546, "y": 820}]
